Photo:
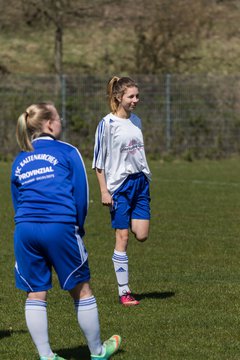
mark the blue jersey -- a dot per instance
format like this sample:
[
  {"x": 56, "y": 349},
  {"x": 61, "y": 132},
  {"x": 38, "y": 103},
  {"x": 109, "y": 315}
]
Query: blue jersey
[{"x": 50, "y": 184}]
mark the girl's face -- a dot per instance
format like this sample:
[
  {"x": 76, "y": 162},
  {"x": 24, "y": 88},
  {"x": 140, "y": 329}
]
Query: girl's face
[
  {"x": 53, "y": 126},
  {"x": 56, "y": 125},
  {"x": 129, "y": 99}
]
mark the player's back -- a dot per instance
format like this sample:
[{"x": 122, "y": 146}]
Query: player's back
[{"x": 41, "y": 183}]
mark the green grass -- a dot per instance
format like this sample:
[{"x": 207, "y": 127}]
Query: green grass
[{"x": 187, "y": 273}]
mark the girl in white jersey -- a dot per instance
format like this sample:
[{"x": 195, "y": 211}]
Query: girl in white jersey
[
  {"x": 50, "y": 197},
  {"x": 123, "y": 175}
]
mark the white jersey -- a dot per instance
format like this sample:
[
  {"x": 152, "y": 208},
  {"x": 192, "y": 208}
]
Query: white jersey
[{"x": 119, "y": 149}]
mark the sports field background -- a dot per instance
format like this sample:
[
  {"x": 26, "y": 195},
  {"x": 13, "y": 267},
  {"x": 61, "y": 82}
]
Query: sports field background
[
  {"x": 187, "y": 274},
  {"x": 190, "y": 116}
]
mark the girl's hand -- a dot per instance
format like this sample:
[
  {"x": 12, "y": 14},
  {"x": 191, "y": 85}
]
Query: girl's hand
[{"x": 107, "y": 199}]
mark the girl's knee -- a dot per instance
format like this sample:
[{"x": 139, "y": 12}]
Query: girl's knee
[
  {"x": 122, "y": 237},
  {"x": 141, "y": 237},
  {"x": 140, "y": 234},
  {"x": 81, "y": 290}
]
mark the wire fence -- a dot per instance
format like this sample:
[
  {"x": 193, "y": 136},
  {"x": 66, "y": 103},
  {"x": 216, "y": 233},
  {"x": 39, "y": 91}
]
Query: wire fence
[{"x": 191, "y": 116}]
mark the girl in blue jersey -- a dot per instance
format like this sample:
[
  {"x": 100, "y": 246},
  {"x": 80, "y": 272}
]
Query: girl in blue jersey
[
  {"x": 50, "y": 197},
  {"x": 123, "y": 175}
]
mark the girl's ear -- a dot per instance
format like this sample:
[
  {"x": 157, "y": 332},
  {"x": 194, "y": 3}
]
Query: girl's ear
[
  {"x": 49, "y": 122},
  {"x": 47, "y": 126}
]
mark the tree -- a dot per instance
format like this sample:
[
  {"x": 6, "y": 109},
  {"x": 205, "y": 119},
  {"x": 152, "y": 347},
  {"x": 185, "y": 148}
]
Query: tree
[
  {"x": 58, "y": 14},
  {"x": 10, "y": 10},
  {"x": 164, "y": 43}
]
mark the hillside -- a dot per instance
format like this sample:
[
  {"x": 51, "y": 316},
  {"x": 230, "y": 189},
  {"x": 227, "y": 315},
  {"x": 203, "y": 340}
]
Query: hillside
[{"x": 110, "y": 44}]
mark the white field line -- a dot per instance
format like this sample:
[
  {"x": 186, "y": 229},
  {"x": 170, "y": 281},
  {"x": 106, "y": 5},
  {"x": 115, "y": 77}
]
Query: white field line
[{"x": 198, "y": 182}]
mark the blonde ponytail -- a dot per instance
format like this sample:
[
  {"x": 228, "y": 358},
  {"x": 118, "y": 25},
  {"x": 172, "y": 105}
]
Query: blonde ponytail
[
  {"x": 30, "y": 124},
  {"x": 113, "y": 102},
  {"x": 22, "y": 133}
]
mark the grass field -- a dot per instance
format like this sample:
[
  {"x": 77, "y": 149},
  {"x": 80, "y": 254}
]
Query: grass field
[{"x": 187, "y": 274}]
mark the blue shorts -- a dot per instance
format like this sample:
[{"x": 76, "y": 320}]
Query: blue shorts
[
  {"x": 131, "y": 201},
  {"x": 40, "y": 246}
]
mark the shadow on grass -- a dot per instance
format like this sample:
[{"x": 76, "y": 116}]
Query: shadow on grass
[
  {"x": 76, "y": 353},
  {"x": 8, "y": 333},
  {"x": 155, "y": 295},
  {"x": 81, "y": 352}
]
